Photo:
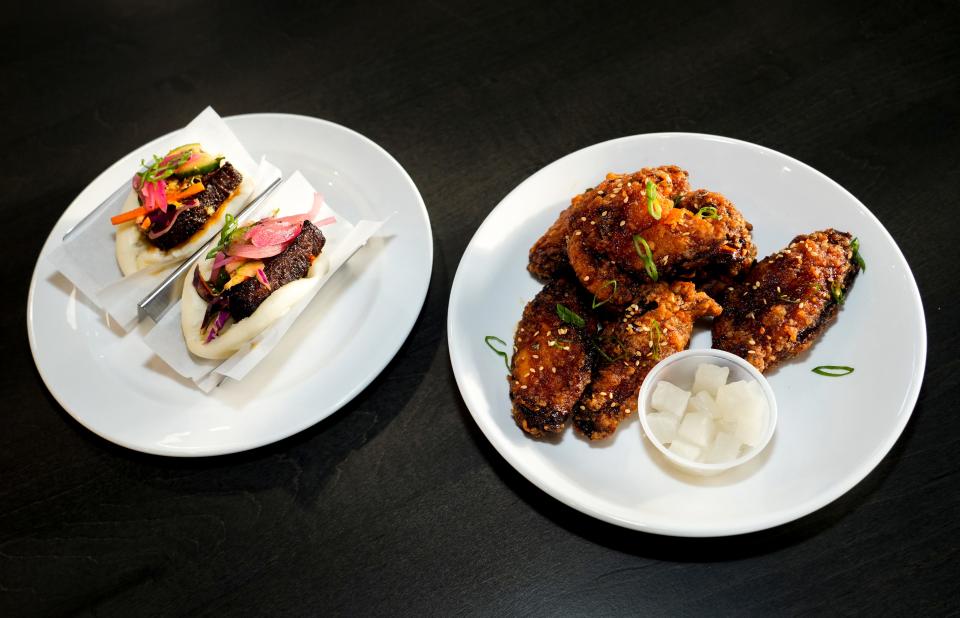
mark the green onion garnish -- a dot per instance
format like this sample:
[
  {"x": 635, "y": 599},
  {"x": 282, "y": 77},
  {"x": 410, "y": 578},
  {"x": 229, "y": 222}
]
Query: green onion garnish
[
  {"x": 157, "y": 170},
  {"x": 855, "y": 245},
  {"x": 606, "y": 284},
  {"x": 708, "y": 212},
  {"x": 837, "y": 292},
  {"x": 569, "y": 316},
  {"x": 229, "y": 227},
  {"x": 647, "y": 255},
  {"x": 833, "y": 371},
  {"x": 618, "y": 342},
  {"x": 655, "y": 335},
  {"x": 487, "y": 340},
  {"x": 653, "y": 206}
]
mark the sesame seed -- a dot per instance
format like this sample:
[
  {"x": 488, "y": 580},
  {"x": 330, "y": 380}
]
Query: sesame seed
[
  {"x": 577, "y": 233},
  {"x": 587, "y": 278},
  {"x": 553, "y": 369},
  {"x": 603, "y": 214},
  {"x": 623, "y": 223}
]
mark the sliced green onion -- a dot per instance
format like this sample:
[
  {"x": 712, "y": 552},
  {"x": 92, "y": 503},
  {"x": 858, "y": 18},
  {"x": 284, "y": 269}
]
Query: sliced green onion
[
  {"x": 855, "y": 245},
  {"x": 618, "y": 342},
  {"x": 606, "y": 284},
  {"x": 490, "y": 338},
  {"x": 229, "y": 227},
  {"x": 708, "y": 212},
  {"x": 653, "y": 206},
  {"x": 833, "y": 371},
  {"x": 646, "y": 255},
  {"x": 655, "y": 335},
  {"x": 569, "y": 316},
  {"x": 837, "y": 292}
]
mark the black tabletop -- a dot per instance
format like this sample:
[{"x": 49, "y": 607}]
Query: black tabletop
[{"x": 397, "y": 503}]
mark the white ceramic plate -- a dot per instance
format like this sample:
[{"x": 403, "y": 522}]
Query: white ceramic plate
[
  {"x": 118, "y": 389},
  {"x": 832, "y": 431}
]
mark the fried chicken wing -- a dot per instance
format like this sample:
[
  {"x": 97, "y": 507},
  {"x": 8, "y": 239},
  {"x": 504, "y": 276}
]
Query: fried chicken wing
[
  {"x": 657, "y": 325},
  {"x": 699, "y": 237},
  {"x": 552, "y": 359},
  {"x": 787, "y": 299},
  {"x": 549, "y": 254}
]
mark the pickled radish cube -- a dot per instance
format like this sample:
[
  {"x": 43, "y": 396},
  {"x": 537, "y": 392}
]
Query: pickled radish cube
[
  {"x": 725, "y": 447},
  {"x": 663, "y": 426},
  {"x": 731, "y": 398},
  {"x": 669, "y": 398},
  {"x": 697, "y": 428},
  {"x": 752, "y": 419},
  {"x": 703, "y": 402},
  {"x": 684, "y": 449},
  {"x": 709, "y": 378}
]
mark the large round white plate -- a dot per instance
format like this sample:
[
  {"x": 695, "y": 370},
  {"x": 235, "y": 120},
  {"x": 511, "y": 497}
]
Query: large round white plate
[
  {"x": 118, "y": 389},
  {"x": 832, "y": 431}
]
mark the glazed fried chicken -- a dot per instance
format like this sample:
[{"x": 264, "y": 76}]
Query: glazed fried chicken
[
  {"x": 549, "y": 254},
  {"x": 552, "y": 359},
  {"x": 657, "y": 325},
  {"x": 787, "y": 299},
  {"x": 700, "y": 237}
]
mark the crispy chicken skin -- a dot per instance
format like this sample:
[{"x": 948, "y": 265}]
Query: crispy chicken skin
[
  {"x": 551, "y": 359},
  {"x": 548, "y": 255},
  {"x": 655, "y": 326},
  {"x": 604, "y": 242},
  {"x": 787, "y": 299}
]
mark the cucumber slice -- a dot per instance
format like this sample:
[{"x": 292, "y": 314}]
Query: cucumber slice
[{"x": 203, "y": 164}]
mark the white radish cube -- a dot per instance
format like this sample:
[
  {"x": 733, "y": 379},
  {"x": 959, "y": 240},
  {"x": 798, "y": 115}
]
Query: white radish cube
[
  {"x": 731, "y": 398},
  {"x": 725, "y": 447},
  {"x": 752, "y": 419},
  {"x": 697, "y": 428},
  {"x": 703, "y": 402},
  {"x": 709, "y": 378},
  {"x": 663, "y": 426},
  {"x": 669, "y": 398},
  {"x": 684, "y": 449}
]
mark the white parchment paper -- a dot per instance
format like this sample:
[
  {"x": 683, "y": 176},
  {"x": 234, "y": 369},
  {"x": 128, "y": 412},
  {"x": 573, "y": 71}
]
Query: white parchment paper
[
  {"x": 343, "y": 239},
  {"x": 87, "y": 257}
]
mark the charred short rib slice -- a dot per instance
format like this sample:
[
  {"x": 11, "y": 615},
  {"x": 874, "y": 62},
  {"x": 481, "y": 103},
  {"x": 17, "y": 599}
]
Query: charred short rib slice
[
  {"x": 218, "y": 186},
  {"x": 289, "y": 265}
]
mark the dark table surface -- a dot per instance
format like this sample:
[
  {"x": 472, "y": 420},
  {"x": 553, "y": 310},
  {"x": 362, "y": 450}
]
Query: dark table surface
[{"x": 397, "y": 503}]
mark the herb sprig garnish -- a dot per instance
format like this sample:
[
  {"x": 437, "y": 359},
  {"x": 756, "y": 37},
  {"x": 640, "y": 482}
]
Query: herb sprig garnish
[
  {"x": 606, "y": 284},
  {"x": 708, "y": 212},
  {"x": 653, "y": 206},
  {"x": 230, "y": 226},
  {"x": 857, "y": 258},
  {"x": 833, "y": 371},
  {"x": 646, "y": 255},
  {"x": 506, "y": 359},
  {"x": 158, "y": 170},
  {"x": 569, "y": 316},
  {"x": 655, "y": 335}
]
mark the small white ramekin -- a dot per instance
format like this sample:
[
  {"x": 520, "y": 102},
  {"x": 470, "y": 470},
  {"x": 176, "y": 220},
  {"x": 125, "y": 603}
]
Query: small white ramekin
[{"x": 679, "y": 369}]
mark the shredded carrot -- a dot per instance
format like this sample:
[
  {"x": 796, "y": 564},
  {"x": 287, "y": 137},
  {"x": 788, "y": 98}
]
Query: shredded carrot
[
  {"x": 130, "y": 215},
  {"x": 728, "y": 248},
  {"x": 193, "y": 189},
  {"x": 145, "y": 223}
]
